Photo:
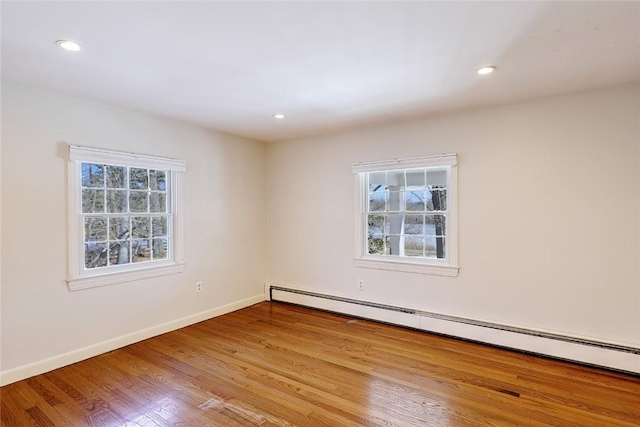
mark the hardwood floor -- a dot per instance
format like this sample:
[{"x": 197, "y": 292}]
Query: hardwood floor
[{"x": 279, "y": 365}]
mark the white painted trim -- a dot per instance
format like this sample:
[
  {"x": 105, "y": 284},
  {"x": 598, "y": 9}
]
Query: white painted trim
[
  {"x": 359, "y": 223},
  {"x": 78, "y": 277},
  {"x": 111, "y": 278},
  {"x": 121, "y": 158},
  {"x": 177, "y": 211},
  {"x": 452, "y": 201},
  {"x": 408, "y": 267},
  {"x": 448, "y": 267},
  {"x": 408, "y": 163},
  {"x": 397, "y": 318},
  {"x": 42, "y": 366},
  {"x": 572, "y": 348},
  {"x": 73, "y": 206},
  {"x": 561, "y": 349},
  {"x": 267, "y": 294}
]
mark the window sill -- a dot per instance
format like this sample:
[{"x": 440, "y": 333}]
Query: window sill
[
  {"x": 408, "y": 267},
  {"x": 80, "y": 283}
]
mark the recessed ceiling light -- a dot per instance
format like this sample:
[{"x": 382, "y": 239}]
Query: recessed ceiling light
[
  {"x": 68, "y": 45},
  {"x": 278, "y": 116},
  {"x": 486, "y": 70}
]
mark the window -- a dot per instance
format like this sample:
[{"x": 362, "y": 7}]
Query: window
[
  {"x": 125, "y": 220},
  {"x": 406, "y": 215}
]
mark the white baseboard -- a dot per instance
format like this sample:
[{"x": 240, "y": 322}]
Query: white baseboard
[
  {"x": 617, "y": 356},
  {"x": 46, "y": 365}
]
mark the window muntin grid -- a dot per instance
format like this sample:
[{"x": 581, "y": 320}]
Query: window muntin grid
[
  {"x": 125, "y": 215},
  {"x": 406, "y": 213}
]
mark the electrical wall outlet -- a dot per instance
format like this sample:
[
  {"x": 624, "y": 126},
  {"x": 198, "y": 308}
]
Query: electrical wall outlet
[
  {"x": 360, "y": 284},
  {"x": 198, "y": 286}
]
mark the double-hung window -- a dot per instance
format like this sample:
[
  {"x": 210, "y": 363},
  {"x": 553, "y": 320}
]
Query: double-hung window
[
  {"x": 406, "y": 215},
  {"x": 125, "y": 217}
]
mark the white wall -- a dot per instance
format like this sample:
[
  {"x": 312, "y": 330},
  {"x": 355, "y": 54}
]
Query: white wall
[
  {"x": 549, "y": 214},
  {"x": 549, "y": 196},
  {"x": 224, "y": 220}
]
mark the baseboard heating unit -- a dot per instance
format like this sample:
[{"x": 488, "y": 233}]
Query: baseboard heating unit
[{"x": 609, "y": 355}]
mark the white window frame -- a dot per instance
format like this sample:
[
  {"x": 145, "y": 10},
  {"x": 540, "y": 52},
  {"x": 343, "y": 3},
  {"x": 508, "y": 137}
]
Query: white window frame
[
  {"x": 441, "y": 267},
  {"x": 81, "y": 278}
]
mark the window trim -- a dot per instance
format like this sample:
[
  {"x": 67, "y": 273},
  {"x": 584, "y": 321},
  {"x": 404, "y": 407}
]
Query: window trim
[
  {"x": 448, "y": 267},
  {"x": 77, "y": 277}
]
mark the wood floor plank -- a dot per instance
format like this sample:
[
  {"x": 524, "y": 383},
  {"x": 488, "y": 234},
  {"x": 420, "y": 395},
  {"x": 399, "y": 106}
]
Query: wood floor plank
[
  {"x": 12, "y": 413},
  {"x": 282, "y": 365},
  {"x": 366, "y": 371},
  {"x": 569, "y": 386},
  {"x": 365, "y": 367}
]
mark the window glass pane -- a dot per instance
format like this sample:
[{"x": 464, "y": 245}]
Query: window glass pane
[
  {"x": 141, "y": 250},
  {"x": 437, "y": 178},
  {"x": 119, "y": 252},
  {"x": 407, "y": 212},
  {"x": 119, "y": 228},
  {"x": 140, "y": 227},
  {"x": 95, "y": 255},
  {"x": 414, "y": 200},
  {"x": 415, "y": 179},
  {"x": 437, "y": 200},
  {"x": 394, "y": 223},
  {"x": 434, "y": 247},
  {"x": 375, "y": 244},
  {"x": 116, "y": 201},
  {"x": 158, "y": 180},
  {"x": 387, "y": 245},
  {"x": 413, "y": 224},
  {"x": 159, "y": 225},
  {"x": 377, "y": 201},
  {"x": 125, "y": 216},
  {"x": 377, "y": 182},
  {"x": 395, "y": 180},
  {"x": 395, "y": 201},
  {"x": 160, "y": 248},
  {"x": 435, "y": 225},
  {"x": 138, "y": 179},
  {"x": 116, "y": 176},
  {"x": 413, "y": 246},
  {"x": 158, "y": 202},
  {"x": 376, "y": 224},
  {"x": 92, "y": 201},
  {"x": 138, "y": 201},
  {"x": 92, "y": 175},
  {"x": 440, "y": 222},
  {"x": 95, "y": 229}
]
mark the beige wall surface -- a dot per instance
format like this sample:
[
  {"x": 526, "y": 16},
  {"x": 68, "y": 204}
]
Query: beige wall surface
[
  {"x": 224, "y": 201},
  {"x": 549, "y": 218},
  {"x": 549, "y": 214}
]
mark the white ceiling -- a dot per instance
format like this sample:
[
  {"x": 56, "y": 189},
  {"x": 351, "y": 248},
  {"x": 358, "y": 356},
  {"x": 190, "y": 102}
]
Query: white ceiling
[{"x": 326, "y": 65}]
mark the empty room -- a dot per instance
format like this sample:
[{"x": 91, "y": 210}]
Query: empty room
[{"x": 304, "y": 213}]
